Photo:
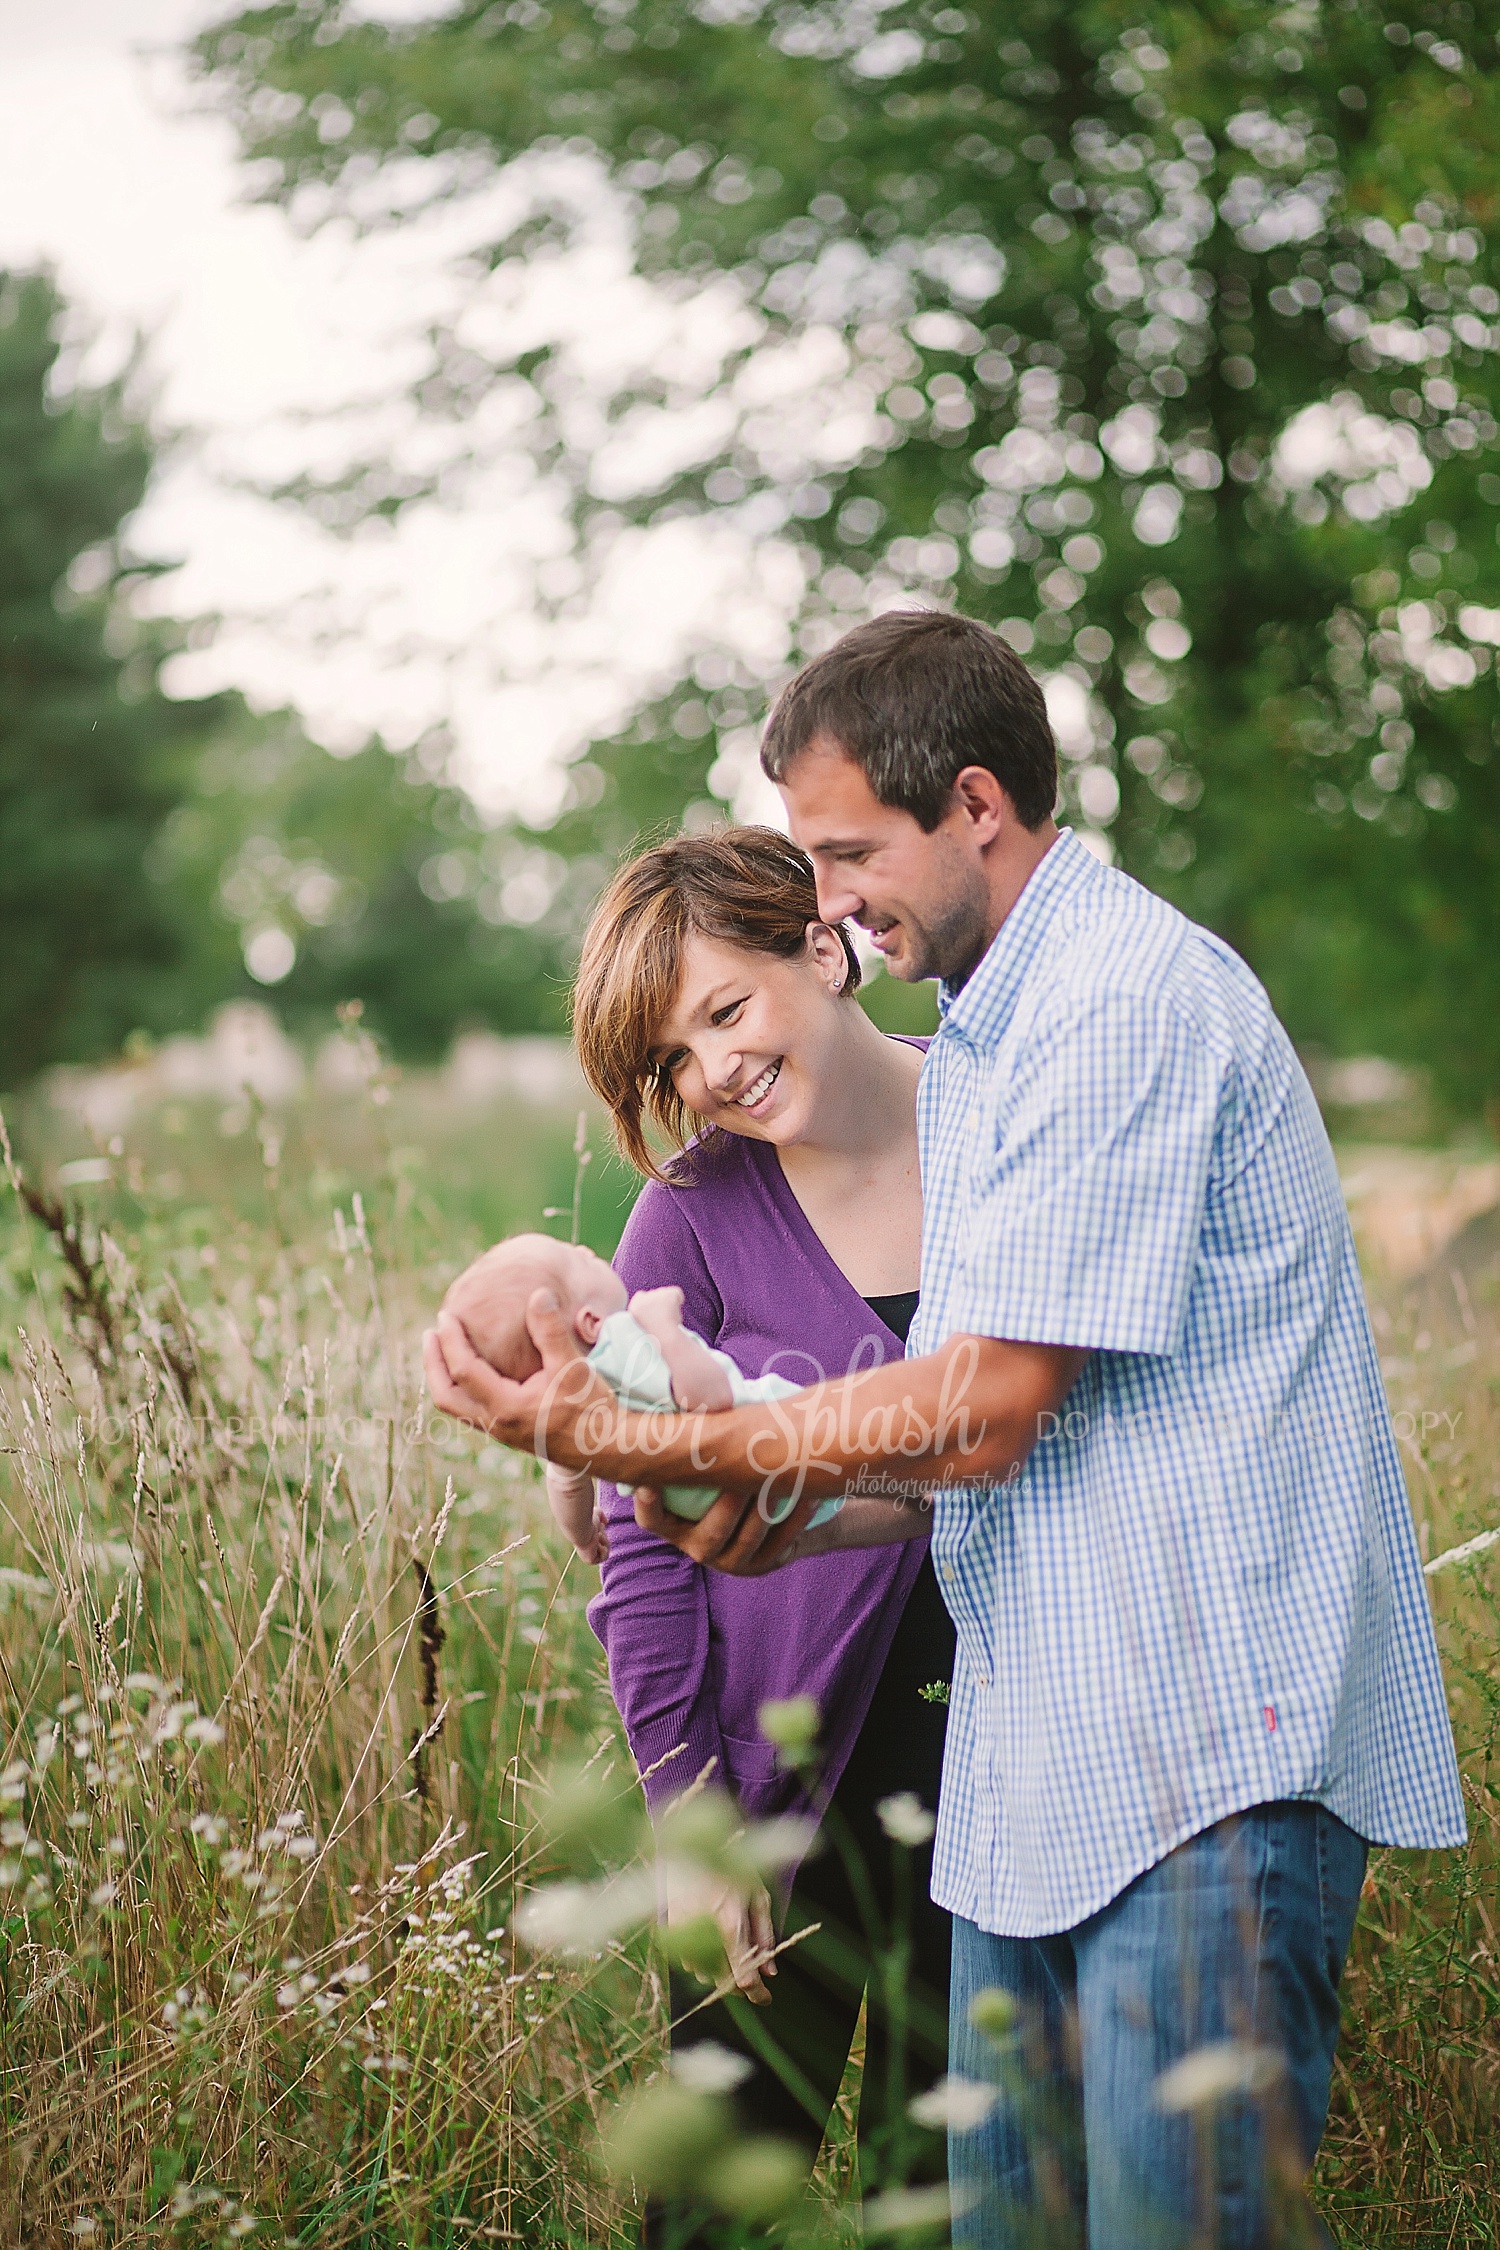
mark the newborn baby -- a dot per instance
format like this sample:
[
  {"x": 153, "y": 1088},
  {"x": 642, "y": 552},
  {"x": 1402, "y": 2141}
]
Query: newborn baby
[{"x": 638, "y": 1344}]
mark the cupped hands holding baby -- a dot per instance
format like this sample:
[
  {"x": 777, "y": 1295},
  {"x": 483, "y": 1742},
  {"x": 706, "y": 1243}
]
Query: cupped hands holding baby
[{"x": 637, "y": 1344}]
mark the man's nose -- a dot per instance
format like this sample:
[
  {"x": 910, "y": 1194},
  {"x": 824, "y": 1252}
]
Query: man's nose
[{"x": 838, "y": 900}]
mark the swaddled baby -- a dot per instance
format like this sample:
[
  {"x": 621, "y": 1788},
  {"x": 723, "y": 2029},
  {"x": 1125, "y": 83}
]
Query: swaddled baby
[{"x": 638, "y": 1344}]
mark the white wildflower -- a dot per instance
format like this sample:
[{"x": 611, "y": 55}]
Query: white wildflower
[
  {"x": 103, "y": 1894},
  {"x": 771, "y": 1845},
  {"x": 901, "y": 2210},
  {"x": 582, "y": 1917},
  {"x": 83, "y": 2228},
  {"x": 708, "y": 2068},
  {"x": 203, "y": 1732},
  {"x": 905, "y": 1818},
  {"x": 209, "y": 1829},
  {"x": 957, "y": 2103},
  {"x": 1211, "y": 2073},
  {"x": 12, "y": 1834}
]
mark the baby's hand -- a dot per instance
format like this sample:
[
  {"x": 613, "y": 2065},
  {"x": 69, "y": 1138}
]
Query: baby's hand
[
  {"x": 699, "y": 1383},
  {"x": 595, "y": 1549},
  {"x": 659, "y": 1311}
]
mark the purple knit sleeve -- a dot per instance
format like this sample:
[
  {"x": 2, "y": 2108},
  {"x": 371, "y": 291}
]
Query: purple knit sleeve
[{"x": 652, "y": 1610}]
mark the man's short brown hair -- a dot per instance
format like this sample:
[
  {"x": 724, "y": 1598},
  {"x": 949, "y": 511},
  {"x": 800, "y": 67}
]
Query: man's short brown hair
[{"x": 913, "y": 697}]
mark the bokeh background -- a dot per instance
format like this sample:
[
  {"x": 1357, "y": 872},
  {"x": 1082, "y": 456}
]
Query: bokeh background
[{"x": 430, "y": 437}]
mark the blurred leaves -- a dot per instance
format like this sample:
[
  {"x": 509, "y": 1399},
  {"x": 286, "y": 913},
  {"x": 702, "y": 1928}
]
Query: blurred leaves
[{"x": 1163, "y": 336}]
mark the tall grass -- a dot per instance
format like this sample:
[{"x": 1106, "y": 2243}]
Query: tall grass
[
  {"x": 284, "y": 1665},
  {"x": 281, "y": 1665}
]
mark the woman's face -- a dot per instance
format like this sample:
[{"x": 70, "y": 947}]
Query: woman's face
[{"x": 751, "y": 1040}]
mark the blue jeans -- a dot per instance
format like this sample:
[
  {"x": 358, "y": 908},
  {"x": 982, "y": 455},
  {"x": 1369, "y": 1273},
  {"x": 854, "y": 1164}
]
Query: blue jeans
[{"x": 1235, "y": 1941}]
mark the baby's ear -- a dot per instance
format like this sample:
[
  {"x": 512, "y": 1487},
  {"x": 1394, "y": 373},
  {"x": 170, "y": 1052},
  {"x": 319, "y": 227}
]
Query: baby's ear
[{"x": 588, "y": 1322}]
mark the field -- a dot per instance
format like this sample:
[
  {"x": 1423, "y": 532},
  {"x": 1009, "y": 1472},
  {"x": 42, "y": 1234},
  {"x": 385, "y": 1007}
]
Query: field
[{"x": 285, "y": 1668}]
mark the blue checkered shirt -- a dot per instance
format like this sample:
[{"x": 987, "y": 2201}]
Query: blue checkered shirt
[{"x": 1204, "y": 1592}]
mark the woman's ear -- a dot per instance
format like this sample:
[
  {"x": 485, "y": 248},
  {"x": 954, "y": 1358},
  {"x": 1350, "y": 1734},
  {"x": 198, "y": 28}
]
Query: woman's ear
[{"x": 827, "y": 949}]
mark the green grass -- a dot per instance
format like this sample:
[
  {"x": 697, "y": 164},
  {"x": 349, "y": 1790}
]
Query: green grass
[{"x": 284, "y": 1666}]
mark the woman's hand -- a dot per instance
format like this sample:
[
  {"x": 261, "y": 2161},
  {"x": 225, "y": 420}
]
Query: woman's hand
[{"x": 744, "y": 1923}]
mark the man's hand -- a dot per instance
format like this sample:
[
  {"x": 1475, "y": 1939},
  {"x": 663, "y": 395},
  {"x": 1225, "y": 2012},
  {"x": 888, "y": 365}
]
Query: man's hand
[
  {"x": 736, "y": 1536},
  {"x": 538, "y": 1416}
]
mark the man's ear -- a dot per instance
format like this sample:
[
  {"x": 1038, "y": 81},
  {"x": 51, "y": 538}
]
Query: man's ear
[{"x": 983, "y": 802}]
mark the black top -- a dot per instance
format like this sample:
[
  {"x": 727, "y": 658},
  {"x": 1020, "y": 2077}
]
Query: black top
[
  {"x": 898, "y": 1311},
  {"x": 921, "y": 1655}
]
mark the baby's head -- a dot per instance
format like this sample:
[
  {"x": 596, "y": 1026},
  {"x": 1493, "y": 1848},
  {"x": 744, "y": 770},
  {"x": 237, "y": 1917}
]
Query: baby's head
[{"x": 490, "y": 1297}]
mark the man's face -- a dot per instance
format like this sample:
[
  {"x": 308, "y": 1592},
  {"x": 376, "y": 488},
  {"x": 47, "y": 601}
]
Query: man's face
[{"x": 922, "y": 897}]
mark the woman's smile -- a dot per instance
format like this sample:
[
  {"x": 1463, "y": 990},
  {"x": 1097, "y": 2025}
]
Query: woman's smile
[{"x": 753, "y": 1100}]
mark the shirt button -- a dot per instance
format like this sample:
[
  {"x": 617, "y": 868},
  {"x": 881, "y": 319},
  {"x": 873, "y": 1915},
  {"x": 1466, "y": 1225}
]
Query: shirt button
[
  {"x": 948, "y": 1573},
  {"x": 982, "y": 1678}
]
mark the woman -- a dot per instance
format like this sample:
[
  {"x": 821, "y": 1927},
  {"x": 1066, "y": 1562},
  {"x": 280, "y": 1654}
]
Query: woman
[{"x": 714, "y": 1004}]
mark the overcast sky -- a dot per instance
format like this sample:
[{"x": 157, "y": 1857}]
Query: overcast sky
[{"x": 106, "y": 175}]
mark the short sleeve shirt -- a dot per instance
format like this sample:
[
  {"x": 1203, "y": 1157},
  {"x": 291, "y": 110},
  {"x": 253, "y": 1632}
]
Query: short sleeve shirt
[{"x": 1204, "y": 1592}]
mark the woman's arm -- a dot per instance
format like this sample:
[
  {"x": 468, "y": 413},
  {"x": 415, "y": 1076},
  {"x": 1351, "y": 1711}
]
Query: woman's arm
[{"x": 652, "y": 1614}]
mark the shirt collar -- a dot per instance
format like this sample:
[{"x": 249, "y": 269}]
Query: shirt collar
[{"x": 980, "y": 1010}]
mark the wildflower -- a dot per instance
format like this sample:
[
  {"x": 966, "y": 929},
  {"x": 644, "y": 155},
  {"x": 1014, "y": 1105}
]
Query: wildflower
[
  {"x": 993, "y": 2012},
  {"x": 905, "y": 1818},
  {"x": 103, "y": 1894},
  {"x": 209, "y": 1829},
  {"x": 699, "y": 1829},
  {"x": 170, "y": 1722},
  {"x": 708, "y": 2068},
  {"x": 1211, "y": 2073},
  {"x": 582, "y": 1917},
  {"x": 771, "y": 1845},
  {"x": 901, "y": 2210},
  {"x": 665, "y": 2137},
  {"x": 957, "y": 2103},
  {"x": 203, "y": 1732},
  {"x": 83, "y": 2227},
  {"x": 757, "y": 2179},
  {"x": 12, "y": 1833},
  {"x": 792, "y": 1724}
]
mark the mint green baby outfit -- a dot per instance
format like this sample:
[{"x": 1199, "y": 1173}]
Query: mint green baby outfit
[{"x": 635, "y": 1368}]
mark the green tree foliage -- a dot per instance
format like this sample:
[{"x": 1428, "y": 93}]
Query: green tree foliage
[
  {"x": 156, "y": 854},
  {"x": 89, "y": 748},
  {"x": 311, "y": 880},
  {"x": 1162, "y": 335}
]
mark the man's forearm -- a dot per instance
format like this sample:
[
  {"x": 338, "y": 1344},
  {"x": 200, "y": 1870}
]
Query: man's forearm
[{"x": 968, "y": 1413}]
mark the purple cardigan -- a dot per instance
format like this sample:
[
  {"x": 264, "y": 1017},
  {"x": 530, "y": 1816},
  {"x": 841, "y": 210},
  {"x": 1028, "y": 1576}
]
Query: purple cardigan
[{"x": 693, "y": 1654}]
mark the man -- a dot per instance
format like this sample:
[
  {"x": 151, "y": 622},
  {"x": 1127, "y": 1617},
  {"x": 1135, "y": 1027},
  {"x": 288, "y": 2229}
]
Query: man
[{"x": 1196, "y": 1670}]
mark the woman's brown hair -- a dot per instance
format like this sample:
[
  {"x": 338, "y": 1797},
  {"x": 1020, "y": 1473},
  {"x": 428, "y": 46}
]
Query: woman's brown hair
[{"x": 750, "y": 887}]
